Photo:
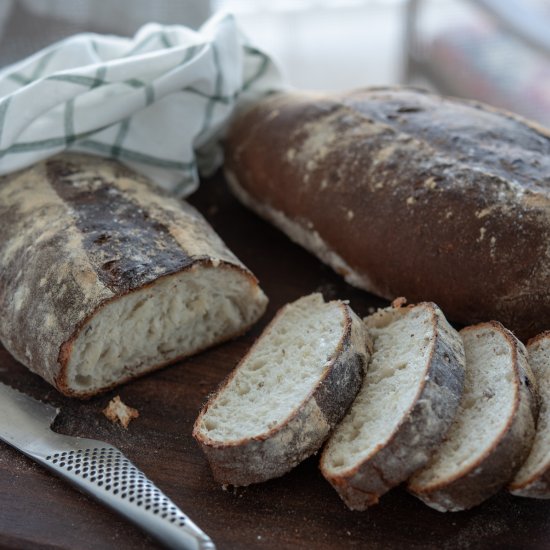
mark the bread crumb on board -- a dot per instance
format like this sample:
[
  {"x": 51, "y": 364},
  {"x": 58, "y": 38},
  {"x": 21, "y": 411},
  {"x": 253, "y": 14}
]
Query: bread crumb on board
[
  {"x": 117, "y": 411},
  {"x": 399, "y": 302}
]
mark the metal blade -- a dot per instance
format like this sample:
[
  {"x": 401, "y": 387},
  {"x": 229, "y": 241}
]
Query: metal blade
[{"x": 23, "y": 420}]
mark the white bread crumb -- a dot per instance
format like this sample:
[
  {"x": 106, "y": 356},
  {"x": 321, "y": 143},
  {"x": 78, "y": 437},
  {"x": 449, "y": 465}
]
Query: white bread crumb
[{"x": 117, "y": 411}]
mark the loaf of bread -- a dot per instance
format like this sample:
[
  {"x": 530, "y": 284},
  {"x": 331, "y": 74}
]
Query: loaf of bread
[
  {"x": 405, "y": 193},
  {"x": 494, "y": 428},
  {"x": 533, "y": 478},
  {"x": 281, "y": 402},
  {"x": 103, "y": 279},
  {"x": 409, "y": 398}
]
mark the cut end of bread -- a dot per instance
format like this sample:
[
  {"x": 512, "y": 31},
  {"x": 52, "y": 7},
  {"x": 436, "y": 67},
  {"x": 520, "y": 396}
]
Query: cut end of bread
[
  {"x": 286, "y": 394},
  {"x": 284, "y": 366},
  {"x": 176, "y": 316}
]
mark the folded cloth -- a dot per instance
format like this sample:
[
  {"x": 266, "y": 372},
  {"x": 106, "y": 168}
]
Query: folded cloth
[{"x": 158, "y": 102}]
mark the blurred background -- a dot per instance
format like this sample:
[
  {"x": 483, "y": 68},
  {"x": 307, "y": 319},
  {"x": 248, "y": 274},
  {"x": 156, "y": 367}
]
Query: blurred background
[{"x": 497, "y": 51}]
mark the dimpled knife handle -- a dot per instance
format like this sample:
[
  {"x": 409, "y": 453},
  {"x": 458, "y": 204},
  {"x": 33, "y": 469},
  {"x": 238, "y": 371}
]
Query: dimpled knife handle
[{"x": 106, "y": 474}]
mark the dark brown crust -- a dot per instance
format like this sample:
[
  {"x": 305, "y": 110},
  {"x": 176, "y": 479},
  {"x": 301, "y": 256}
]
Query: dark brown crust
[
  {"x": 420, "y": 431},
  {"x": 469, "y": 185},
  {"x": 77, "y": 233},
  {"x": 498, "y": 464},
  {"x": 66, "y": 347},
  {"x": 114, "y": 230},
  {"x": 293, "y": 439}
]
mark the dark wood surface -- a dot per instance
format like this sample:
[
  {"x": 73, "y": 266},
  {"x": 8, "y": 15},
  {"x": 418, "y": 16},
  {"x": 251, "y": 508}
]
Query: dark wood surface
[{"x": 299, "y": 510}]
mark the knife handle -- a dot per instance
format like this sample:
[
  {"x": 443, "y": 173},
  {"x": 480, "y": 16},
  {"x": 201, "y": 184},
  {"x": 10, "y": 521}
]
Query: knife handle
[{"x": 102, "y": 471}]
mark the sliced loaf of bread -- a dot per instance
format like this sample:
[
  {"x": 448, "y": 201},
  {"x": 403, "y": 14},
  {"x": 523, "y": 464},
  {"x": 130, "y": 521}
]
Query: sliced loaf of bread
[
  {"x": 408, "y": 400},
  {"x": 494, "y": 428},
  {"x": 533, "y": 478},
  {"x": 285, "y": 396},
  {"x": 103, "y": 278}
]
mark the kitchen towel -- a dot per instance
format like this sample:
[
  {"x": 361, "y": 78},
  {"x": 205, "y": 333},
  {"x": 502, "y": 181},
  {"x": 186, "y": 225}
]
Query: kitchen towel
[{"x": 158, "y": 102}]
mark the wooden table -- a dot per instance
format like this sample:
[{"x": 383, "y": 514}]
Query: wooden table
[{"x": 300, "y": 510}]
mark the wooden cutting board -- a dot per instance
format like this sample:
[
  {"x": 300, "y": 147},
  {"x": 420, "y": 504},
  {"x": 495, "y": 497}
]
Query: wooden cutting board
[{"x": 300, "y": 510}]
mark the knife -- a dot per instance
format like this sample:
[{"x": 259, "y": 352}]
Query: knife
[{"x": 96, "y": 468}]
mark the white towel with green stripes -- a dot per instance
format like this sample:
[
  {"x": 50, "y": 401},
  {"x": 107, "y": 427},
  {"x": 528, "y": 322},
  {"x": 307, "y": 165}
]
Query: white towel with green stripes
[{"x": 158, "y": 102}]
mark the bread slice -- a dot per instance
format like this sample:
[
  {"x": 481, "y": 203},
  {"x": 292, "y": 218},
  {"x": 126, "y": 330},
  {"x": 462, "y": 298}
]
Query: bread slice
[
  {"x": 280, "y": 403},
  {"x": 533, "y": 478},
  {"x": 408, "y": 400},
  {"x": 494, "y": 428}
]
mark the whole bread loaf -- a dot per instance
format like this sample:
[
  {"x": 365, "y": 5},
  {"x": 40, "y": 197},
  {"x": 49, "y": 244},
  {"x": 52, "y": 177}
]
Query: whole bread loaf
[
  {"x": 103, "y": 279},
  {"x": 405, "y": 193}
]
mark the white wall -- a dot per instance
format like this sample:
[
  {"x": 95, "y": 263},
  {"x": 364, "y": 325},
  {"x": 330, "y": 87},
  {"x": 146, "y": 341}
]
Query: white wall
[{"x": 328, "y": 45}]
